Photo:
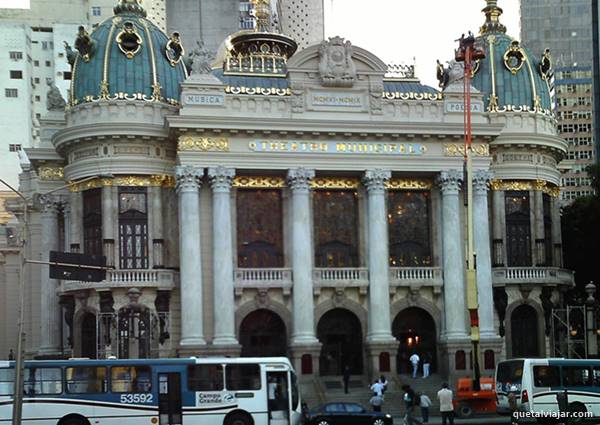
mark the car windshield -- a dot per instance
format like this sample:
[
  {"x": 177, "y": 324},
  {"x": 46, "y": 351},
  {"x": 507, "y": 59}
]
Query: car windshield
[
  {"x": 334, "y": 408},
  {"x": 354, "y": 408}
]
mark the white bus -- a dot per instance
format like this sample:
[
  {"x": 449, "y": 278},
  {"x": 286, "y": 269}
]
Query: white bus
[
  {"x": 536, "y": 383},
  {"x": 202, "y": 391}
]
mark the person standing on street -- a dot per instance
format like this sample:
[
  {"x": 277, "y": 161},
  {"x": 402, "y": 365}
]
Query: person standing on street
[
  {"x": 414, "y": 360},
  {"x": 377, "y": 388},
  {"x": 426, "y": 364},
  {"x": 376, "y": 402},
  {"x": 425, "y": 405},
  {"x": 410, "y": 401},
  {"x": 346, "y": 378},
  {"x": 446, "y": 409}
]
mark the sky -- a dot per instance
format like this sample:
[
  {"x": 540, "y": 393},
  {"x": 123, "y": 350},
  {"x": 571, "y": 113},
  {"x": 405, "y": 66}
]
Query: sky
[
  {"x": 399, "y": 30},
  {"x": 14, "y": 4}
]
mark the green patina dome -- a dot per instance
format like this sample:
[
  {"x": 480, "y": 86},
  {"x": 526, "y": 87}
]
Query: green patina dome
[
  {"x": 510, "y": 77},
  {"x": 127, "y": 57}
]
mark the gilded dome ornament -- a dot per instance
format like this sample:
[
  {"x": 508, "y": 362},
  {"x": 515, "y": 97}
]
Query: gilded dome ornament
[
  {"x": 545, "y": 65},
  {"x": 174, "y": 49},
  {"x": 514, "y": 57},
  {"x": 129, "y": 40},
  {"x": 84, "y": 44}
]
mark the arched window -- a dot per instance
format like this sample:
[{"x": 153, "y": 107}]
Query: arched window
[
  {"x": 489, "y": 360},
  {"x": 92, "y": 222},
  {"x": 133, "y": 228},
  {"x": 460, "y": 360},
  {"x": 518, "y": 228}
]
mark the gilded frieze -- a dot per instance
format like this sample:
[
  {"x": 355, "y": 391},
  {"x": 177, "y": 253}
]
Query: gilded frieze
[
  {"x": 519, "y": 185},
  {"x": 334, "y": 183},
  {"x": 136, "y": 181},
  {"x": 263, "y": 182},
  {"x": 408, "y": 184},
  {"x": 203, "y": 144},
  {"x": 457, "y": 149},
  {"x": 51, "y": 173}
]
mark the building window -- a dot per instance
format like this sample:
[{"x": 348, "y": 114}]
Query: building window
[
  {"x": 14, "y": 147},
  {"x": 408, "y": 221},
  {"x": 44, "y": 45},
  {"x": 518, "y": 228},
  {"x": 48, "y": 63},
  {"x": 36, "y": 63},
  {"x": 37, "y": 99},
  {"x": 36, "y": 80},
  {"x": 67, "y": 75},
  {"x": 336, "y": 228},
  {"x": 38, "y": 116},
  {"x": 259, "y": 228},
  {"x": 92, "y": 221},
  {"x": 15, "y": 55},
  {"x": 133, "y": 228},
  {"x": 11, "y": 92},
  {"x": 96, "y": 11}
]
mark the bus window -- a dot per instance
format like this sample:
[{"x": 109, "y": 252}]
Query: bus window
[
  {"x": 7, "y": 381},
  {"x": 546, "y": 376},
  {"x": 81, "y": 380},
  {"x": 42, "y": 380},
  {"x": 244, "y": 377},
  {"x": 205, "y": 377},
  {"x": 295, "y": 395},
  {"x": 576, "y": 376},
  {"x": 509, "y": 373},
  {"x": 596, "y": 377},
  {"x": 130, "y": 379}
]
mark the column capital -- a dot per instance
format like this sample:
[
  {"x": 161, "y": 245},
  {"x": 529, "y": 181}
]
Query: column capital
[
  {"x": 481, "y": 181},
  {"x": 189, "y": 177},
  {"x": 375, "y": 180},
  {"x": 450, "y": 181},
  {"x": 220, "y": 178},
  {"x": 49, "y": 204},
  {"x": 299, "y": 178}
]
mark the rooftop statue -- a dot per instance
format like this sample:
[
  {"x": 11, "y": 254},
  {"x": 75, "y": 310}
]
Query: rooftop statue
[
  {"x": 201, "y": 59},
  {"x": 54, "y": 100}
]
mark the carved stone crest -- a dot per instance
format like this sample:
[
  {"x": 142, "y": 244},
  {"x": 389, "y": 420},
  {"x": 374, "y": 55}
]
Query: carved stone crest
[
  {"x": 336, "y": 67},
  {"x": 262, "y": 298}
]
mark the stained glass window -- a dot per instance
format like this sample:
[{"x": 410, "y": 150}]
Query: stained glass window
[
  {"x": 133, "y": 228},
  {"x": 92, "y": 222},
  {"x": 335, "y": 228},
  {"x": 259, "y": 228},
  {"x": 518, "y": 228},
  {"x": 408, "y": 228}
]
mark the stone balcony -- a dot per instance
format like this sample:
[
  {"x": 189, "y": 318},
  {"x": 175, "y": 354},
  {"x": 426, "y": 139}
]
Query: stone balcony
[
  {"x": 341, "y": 277},
  {"x": 532, "y": 275},
  {"x": 128, "y": 278},
  {"x": 416, "y": 277},
  {"x": 263, "y": 279}
]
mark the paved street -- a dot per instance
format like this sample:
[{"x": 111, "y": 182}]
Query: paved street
[{"x": 482, "y": 420}]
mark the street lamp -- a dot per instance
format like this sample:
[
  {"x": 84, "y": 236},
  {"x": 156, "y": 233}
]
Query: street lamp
[
  {"x": 590, "y": 318},
  {"x": 19, "y": 361}
]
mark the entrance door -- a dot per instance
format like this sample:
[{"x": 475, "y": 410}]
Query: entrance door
[
  {"x": 169, "y": 398},
  {"x": 415, "y": 329},
  {"x": 524, "y": 330},
  {"x": 339, "y": 331},
  {"x": 278, "y": 398}
]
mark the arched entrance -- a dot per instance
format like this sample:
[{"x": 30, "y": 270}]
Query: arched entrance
[
  {"x": 263, "y": 333},
  {"x": 524, "y": 332},
  {"x": 88, "y": 336},
  {"x": 415, "y": 329},
  {"x": 339, "y": 331}
]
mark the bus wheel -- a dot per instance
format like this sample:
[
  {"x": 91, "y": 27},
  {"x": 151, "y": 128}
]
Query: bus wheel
[
  {"x": 73, "y": 420},
  {"x": 578, "y": 408},
  {"x": 464, "y": 410},
  {"x": 238, "y": 419}
]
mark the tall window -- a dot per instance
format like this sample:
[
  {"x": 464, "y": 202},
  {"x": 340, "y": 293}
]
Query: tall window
[
  {"x": 548, "y": 228},
  {"x": 259, "y": 228},
  {"x": 518, "y": 228},
  {"x": 92, "y": 222},
  {"x": 336, "y": 228},
  {"x": 133, "y": 228},
  {"x": 409, "y": 222}
]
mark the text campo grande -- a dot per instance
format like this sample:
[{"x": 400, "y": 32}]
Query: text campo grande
[{"x": 338, "y": 147}]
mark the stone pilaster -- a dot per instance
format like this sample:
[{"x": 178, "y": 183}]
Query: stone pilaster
[
  {"x": 224, "y": 325},
  {"x": 157, "y": 227},
  {"x": 109, "y": 204},
  {"x": 498, "y": 226},
  {"x": 189, "y": 180},
  {"x": 75, "y": 221},
  {"x": 539, "y": 259}
]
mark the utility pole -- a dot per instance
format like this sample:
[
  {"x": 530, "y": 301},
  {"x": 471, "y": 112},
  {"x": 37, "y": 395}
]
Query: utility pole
[{"x": 467, "y": 53}]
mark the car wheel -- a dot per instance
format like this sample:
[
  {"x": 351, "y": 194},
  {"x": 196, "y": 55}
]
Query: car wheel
[
  {"x": 322, "y": 422},
  {"x": 378, "y": 421},
  {"x": 238, "y": 419},
  {"x": 578, "y": 408},
  {"x": 464, "y": 411}
]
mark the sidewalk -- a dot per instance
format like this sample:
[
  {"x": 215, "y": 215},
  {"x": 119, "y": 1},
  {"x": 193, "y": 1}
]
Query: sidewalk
[{"x": 478, "y": 420}]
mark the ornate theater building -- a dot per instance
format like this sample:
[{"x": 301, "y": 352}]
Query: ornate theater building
[{"x": 301, "y": 203}]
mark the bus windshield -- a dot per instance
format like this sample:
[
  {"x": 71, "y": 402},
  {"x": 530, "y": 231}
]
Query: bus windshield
[{"x": 509, "y": 374}]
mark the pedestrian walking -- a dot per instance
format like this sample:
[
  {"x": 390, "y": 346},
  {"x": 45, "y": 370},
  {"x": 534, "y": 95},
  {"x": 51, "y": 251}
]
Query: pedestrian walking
[
  {"x": 377, "y": 388},
  {"x": 446, "y": 409},
  {"x": 11, "y": 355},
  {"x": 383, "y": 382},
  {"x": 512, "y": 404},
  {"x": 410, "y": 401},
  {"x": 346, "y": 378},
  {"x": 426, "y": 364},
  {"x": 376, "y": 403},
  {"x": 425, "y": 405},
  {"x": 414, "y": 360}
]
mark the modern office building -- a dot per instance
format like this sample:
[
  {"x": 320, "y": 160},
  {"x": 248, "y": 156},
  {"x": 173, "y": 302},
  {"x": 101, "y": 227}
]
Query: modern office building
[
  {"x": 596, "y": 73},
  {"x": 566, "y": 29}
]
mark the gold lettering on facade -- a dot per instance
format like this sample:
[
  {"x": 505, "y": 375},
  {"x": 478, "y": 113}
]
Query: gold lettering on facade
[{"x": 203, "y": 144}]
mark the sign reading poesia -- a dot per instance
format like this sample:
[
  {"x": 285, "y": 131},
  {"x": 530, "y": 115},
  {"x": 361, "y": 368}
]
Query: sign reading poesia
[{"x": 381, "y": 148}]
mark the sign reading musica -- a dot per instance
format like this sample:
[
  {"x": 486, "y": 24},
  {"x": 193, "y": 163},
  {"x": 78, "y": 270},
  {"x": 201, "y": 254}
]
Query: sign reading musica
[{"x": 381, "y": 148}]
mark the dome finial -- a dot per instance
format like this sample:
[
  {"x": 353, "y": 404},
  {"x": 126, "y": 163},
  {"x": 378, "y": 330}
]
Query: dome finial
[
  {"x": 130, "y": 6},
  {"x": 492, "y": 18},
  {"x": 262, "y": 13}
]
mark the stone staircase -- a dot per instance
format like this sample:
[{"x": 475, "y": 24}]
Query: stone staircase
[{"x": 330, "y": 389}]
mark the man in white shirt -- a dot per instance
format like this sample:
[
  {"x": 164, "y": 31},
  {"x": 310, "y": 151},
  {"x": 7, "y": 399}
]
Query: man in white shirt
[
  {"x": 414, "y": 360},
  {"x": 377, "y": 388},
  {"x": 446, "y": 408}
]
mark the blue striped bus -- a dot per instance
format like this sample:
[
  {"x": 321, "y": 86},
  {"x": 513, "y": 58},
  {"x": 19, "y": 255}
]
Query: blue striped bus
[{"x": 190, "y": 391}]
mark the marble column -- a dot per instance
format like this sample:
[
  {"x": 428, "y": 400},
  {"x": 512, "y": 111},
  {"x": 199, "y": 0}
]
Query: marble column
[
  {"x": 498, "y": 220},
  {"x": 189, "y": 180},
  {"x": 453, "y": 252},
  {"x": 379, "y": 280},
  {"x": 538, "y": 214},
  {"x": 224, "y": 303},
  {"x": 108, "y": 230},
  {"x": 303, "y": 323},
  {"x": 481, "y": 235},
  {"x": 50, "y": 320},
  {"x": 75, "y": 221}
]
